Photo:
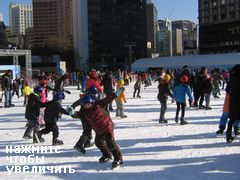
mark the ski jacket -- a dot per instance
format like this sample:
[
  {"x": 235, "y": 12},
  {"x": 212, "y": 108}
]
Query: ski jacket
[
  {"x": 53, "y": 111},
  {"x": 180, "y": 91},
  {"x": 97, "y": 117},
  {"x": 164, "y": 91},
  {"x": 33, "y": 107},
  {"x": 94, "y": 82},
  {"x": 233, "y": 88}
]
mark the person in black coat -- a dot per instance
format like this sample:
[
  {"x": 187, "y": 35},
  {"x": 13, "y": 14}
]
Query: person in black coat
[
  {"x": 199, "y": 87},
  {"x": 108, "y": 86},
  {"x": 32, "y": 113},
  {"x": 233, "y": 89},
  {"x": 164, "y": 91},
  {"x": 7, "y": 88},
  {"x": 52, "y": 113}
]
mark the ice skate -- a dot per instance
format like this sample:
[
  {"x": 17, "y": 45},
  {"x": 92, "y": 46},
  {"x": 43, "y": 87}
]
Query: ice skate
[
  {"x": 176, "y": 119},
  {"x": 183, "y": 122},
  {"x": 104, "y": 159},
  {"x": 27, "y": 137},
  {"x": 123, "y": 116},
  {"x": 57, "y": 142},
  {"x": 116, "y": 163},
  {"x": 219, "y": 131}
]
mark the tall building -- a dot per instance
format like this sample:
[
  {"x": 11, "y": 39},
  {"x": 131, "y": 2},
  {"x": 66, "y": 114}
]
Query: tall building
[
  {"x": 165, "y": 38},
  {"x": 20, "y": 18},
  {"x": 1, "y": 17},
  {"x": 219, "y": 26},
  {"x": 3, "y": 40},
  {"x": 187, "y": 31},
  {"x": 109, "y": 33},
  {"x": 53, "y": 22},
  {"x": 152, "y": 29}
]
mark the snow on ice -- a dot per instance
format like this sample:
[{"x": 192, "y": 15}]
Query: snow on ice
[{"x": 150, "y": 150}]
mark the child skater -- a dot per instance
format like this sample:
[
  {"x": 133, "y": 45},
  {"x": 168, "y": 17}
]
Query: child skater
[
  {"x": 179, "y": 94},
  {"x": 137, "y": 87},
  {"x": 32, "y": 113},
  {"x": 164, "y": 91},
  {"x": 85, "y": 139},
  {"x": 52, "y": 113},
  {"x": 26, "y": 91},
  {"x": 100, "y": 121},
  {"x": 120, "y": 100}
]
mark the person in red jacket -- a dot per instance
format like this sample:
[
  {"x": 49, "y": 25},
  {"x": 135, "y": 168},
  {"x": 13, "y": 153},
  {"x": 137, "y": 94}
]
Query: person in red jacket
[
  {"x": 94, "y": 81},
  {"x": 100, "y": 121}
]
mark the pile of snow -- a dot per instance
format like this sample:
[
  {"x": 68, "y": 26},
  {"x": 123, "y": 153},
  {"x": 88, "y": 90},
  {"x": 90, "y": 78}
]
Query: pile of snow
[{"x": 150, "y": 150}]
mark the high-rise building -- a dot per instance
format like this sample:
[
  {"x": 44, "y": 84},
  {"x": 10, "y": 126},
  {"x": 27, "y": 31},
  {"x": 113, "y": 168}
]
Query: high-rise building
[
  {"x": 188, "y": 35},
  {"x": 1, "y": 17},
  {"x": 53, "y": 22},
  {"x": 152, "y": 29},
  {"x": 219, "y": 26},
  {"x": 20, "y": 18},
  {"x": 3, "y": 40},
  {"x": 165, "y": 38},
  {"x": 109, "y": 33}
]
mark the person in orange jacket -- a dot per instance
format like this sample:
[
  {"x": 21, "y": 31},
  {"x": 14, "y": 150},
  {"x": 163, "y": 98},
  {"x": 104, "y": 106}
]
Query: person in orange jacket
[
  {"x": 225, "y": 116},
  {"x": 120, "y": 100}
]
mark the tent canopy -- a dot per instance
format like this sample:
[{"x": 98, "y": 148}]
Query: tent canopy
[{"x": 222, "y": 61}]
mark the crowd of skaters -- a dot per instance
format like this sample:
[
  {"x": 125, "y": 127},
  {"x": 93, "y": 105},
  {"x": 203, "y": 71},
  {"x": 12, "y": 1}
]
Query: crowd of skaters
[{"x": 197, "y": 85}]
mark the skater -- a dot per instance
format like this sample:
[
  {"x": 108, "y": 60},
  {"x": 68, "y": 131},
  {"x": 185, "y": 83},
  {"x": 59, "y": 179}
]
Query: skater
[
  {"x": 108, "y": 86},
  {"x": 179, "y": 94},
  {"x": 32, "y": 113},
  {"x": 6, "y": 87},
  {"x": 26, "y": 91},
  {"x": 208, "y": 88},
  {"x": 137, "y": 87},
  {"x": 85, "y": 139},
  {"x": 51, "y": 116},
  {"x": 233, "y": 89},
  {"x": 164, "y": 91},
  {"x": 120, "y": 100},
  {"x": 225, "y": 116},
  {"x": 100, "y": 121}
]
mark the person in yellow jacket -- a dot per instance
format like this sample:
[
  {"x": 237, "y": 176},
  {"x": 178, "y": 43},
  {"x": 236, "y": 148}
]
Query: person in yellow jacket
[
  {"x": 27, "y": 91},
  {"x": 120, "y": 100}
]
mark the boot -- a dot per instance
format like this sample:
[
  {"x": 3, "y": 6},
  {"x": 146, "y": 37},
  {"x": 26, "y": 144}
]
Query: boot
[
  {"x": 176, "y": 119},
  {"x": 39, "y": 136},
  {"x": 221, "y": 130},
  {"x": 183, "y": 122},
  {"x": 236, "y": 131},
  {"x": 104, "y": 159},
  {"x": 57, "y": 142},
  {"x": 116, "y": 163},
  {"x": 229, "y": 137},
  {"x": 123, "y": 116}
]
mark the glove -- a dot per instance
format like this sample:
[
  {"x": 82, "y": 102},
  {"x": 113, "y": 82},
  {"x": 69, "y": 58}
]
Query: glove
[
  {"x": 119, "y": 91},
  {"x": 70, "y": 110},
  {"x": 173, "y": 100}
]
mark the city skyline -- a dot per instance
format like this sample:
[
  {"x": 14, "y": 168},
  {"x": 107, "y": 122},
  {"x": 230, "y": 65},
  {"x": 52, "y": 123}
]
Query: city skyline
[{"x": 176, "y": 10}]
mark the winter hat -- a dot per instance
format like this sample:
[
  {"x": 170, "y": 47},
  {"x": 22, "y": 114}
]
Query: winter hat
[
  {"x": 167, "y": 78},
  {"x": 120, "y": 83},
  {"x": 93, "y": 75},
  {"x": 184, "y": 79}
]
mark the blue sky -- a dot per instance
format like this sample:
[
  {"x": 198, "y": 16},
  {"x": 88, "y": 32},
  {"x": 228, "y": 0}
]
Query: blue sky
[{"x": 181, "y": 9}]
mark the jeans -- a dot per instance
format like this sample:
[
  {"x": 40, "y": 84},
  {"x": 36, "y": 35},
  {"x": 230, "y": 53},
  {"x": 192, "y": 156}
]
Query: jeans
[{"x": 8, "y": 98}]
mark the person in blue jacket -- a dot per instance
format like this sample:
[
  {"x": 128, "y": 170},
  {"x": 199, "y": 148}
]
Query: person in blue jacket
[{"x": 179, "y": 93}]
